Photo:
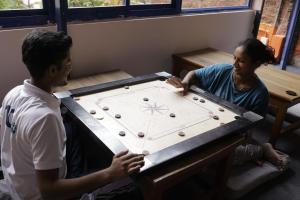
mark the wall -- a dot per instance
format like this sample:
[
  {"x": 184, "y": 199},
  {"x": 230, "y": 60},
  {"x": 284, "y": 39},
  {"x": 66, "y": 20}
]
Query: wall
[
  {"x": 146, "y": 45},
  {"x": 138, "y": 46},
  {"x": 13, "y": 71}
]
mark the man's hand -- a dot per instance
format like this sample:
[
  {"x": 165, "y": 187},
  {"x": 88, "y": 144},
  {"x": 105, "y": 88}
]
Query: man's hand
[
  {"x": 176, "y": 82},
  {"x": 125, "y": 163}
]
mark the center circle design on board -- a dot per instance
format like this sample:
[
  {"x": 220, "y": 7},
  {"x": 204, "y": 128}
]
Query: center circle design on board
[{"x": 154, "y": 108}]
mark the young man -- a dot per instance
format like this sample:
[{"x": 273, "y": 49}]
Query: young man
[{"x": 32, "y": 134}]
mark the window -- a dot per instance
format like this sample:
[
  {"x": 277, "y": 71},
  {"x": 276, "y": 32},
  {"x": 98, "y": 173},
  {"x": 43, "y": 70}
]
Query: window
[
  {"x": 98, "y": 9},
  {"x": 198, "y": 4},
  {"x": 274, "y": 24},
  {"x": 94, "y": 3},
  {"x": 145, "y": 2},
  {"x": 38, "y": 12},
  {"x": 106, "y": 3},
  {"x": 295, "y": 58},
  {"x": 15, "y": 13},
  {"x": 20, "y": 4}
]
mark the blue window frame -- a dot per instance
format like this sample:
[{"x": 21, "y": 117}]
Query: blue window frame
[
  {"x": 126, "y": 10},
  {"x": 49, "y": 12},
  {"x": 247, "y": 5},
  {"x": 290, "y": 34},
  {"x": 28, "y": 17}
]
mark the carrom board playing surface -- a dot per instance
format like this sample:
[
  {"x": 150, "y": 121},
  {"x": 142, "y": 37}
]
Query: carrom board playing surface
[{"x": 149, "y": 117}]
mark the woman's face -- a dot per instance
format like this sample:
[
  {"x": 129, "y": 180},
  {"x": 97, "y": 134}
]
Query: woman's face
[{"x": 243, "y": 64}]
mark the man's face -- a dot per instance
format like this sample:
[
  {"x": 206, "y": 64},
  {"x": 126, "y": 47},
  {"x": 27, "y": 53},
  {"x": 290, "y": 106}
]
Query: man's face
[{"x": 63, "y": 72}]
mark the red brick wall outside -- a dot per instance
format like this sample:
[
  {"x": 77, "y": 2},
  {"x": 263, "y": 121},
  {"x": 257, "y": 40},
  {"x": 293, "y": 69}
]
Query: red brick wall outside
[
  {"x": 270, "y": 11},
  {"x": 273, "y": 10},
  {"x": 284, "y": 17}
]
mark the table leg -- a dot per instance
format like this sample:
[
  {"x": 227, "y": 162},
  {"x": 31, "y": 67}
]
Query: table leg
[
  {"x": 149, "y": 189},
  {"x": 149, "y": 193},
  {"x": 176, "y": 68},
  {"x": 223, "y": 171},
  {"x": 277, "y": 125}
]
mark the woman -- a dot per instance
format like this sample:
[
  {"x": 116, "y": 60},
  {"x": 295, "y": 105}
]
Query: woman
[{"x": 238, "y": 84}]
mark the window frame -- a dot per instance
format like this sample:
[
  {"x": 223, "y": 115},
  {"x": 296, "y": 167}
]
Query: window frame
[
  {"x": 217, "y": 9},
  {"x": 287, "y": 48},
  {"x": 143, "y": 10},
  {"x": 46, "y": 15},
  {"x": 123, "y": 11},
  {"x": 28, "y": 17}
]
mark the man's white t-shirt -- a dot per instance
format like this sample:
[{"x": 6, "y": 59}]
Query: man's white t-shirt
[{"x": 32, "y": 137}]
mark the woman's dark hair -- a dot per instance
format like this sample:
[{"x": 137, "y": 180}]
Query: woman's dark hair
[
  {"x": 257, "y": 51},
  {"x": 43, "y": 48}
]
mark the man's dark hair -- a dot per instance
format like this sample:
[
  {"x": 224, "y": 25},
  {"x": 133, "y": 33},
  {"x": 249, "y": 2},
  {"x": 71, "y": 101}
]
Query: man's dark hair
[{"x": 43, "y": 48}]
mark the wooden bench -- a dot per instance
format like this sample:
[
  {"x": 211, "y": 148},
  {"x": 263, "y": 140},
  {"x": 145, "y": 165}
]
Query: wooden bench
[
  {"x": 283, "y": 86},
  {"x": 93, "y": 80}
]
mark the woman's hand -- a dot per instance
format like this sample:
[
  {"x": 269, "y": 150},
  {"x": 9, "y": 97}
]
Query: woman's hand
[{"x": 176, "y": 82}]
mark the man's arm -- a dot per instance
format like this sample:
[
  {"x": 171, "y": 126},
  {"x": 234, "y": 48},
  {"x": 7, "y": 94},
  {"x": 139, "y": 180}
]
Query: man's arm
[{"x": 51, "y": 187}]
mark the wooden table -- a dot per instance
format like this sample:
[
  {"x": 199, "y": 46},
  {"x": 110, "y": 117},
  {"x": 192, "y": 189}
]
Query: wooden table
[
  {"x": 155, "y": 182},
  {"x": 278, "y": 82}
]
